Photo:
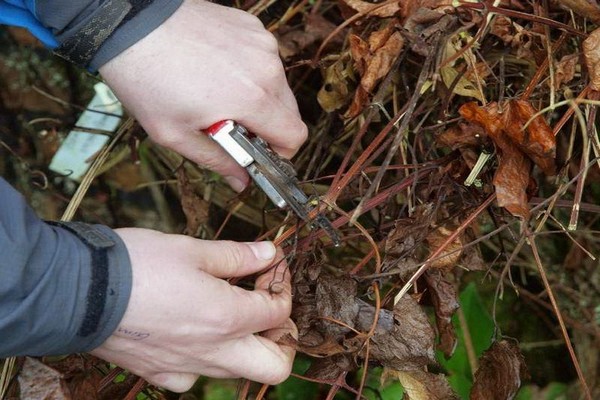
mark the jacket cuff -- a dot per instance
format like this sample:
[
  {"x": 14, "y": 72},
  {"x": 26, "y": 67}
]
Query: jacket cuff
[
  {"x": 130, "y": 32},
  {"x": 116, "y": 297}
]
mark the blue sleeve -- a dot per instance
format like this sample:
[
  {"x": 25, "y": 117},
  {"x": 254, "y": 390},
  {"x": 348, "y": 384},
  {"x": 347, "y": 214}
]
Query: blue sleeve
[
  {"x": 53, "y": 300},
  {"x": 55, "y": 22},
  {"x": 17, "y": 14}
]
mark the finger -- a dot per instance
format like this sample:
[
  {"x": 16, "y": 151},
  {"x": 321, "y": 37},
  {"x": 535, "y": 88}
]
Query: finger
[
  {"x": 197, "y": 147},
  {"x": 266, "y": 307},
  {"x": 174, "y": 381},
  {"x": 280, "y": 126},
  {"x": 262, "y": 360},
  {"x": 226, "y": 259}
]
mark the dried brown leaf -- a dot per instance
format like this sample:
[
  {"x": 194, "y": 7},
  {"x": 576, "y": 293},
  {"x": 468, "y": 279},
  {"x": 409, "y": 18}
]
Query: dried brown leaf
[
  {"x": 316, "y": 28},
  {"x": 537, "y": 140},
  {"x": 375, "y": 10},
  {"x": 381, "y": 62},
  {"x": 451, "y": 254},
  {"x": 591, "y": 52},
  {"x": 445, "y": 303},
  {"x": 511, "y": 181},
  {"x": 334, "y": 93},
  {"x": 194, "y": 207},
  {"x": 422, "y": 385},
  {"x": 501, "y": 369},
  {"x": 410, "y": 344},
  {"x": 38, "y": 381},
  {"x": 584, "y": 8},
  {"x": 335, "y": 299},
  {"x": 565, "y": 70},
  {"x": 505, "y": 126}
]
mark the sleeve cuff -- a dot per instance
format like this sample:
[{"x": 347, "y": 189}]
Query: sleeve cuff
[{"x": 134, "y": 30}]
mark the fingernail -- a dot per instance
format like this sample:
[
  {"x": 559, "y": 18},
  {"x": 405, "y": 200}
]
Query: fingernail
[
  {"x": 263, "y": 250},
  {"x": 235, "y": 183}
]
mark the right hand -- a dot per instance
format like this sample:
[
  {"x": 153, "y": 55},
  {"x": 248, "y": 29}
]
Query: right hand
[
  {"x": 184, "y": 320},
  {"x": 204, "y": 64}
]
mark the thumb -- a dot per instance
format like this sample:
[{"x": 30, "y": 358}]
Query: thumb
[{"x": 226, "y": 259}]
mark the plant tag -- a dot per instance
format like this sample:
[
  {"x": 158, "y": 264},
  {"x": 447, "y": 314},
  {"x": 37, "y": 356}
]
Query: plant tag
[{"x": 77, "y": 151}]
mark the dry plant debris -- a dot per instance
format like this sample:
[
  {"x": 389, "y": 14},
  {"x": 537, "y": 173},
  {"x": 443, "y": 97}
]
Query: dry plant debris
[{"x": 402, "y": 98}]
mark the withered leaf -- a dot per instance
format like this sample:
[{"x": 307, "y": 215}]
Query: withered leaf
[
  {"x": 511, "y": 181},
  {"x": 335, "y": 299},
  {"x": 334, "y": 93},
  {"x": 316, "y": 28},
  {"x": 422, "y": 385},
  {"x": 591, "y": 52},
  {"x": 583, "y": 8},
  {"x": 501, "y": 369},
  {"x": 194, "y": 207},
  {"x": 565, "y": 70},
  {"x": 537, "y": 140},
  {"x": 376, "y": 10},
  {"x": 329, "y": 369},
  {"x": 452, "y": 252},
  {"x": 38, "y": 381},
  {"x": 373, "y": 61},
  {"x": 517, "y": 145},
  {"x": 445, "y": 303},
  {"x": 410, "y": 343}
]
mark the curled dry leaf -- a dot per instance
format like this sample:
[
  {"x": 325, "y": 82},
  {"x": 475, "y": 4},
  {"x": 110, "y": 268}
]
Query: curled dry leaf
[
  {"x": 316, "y": 28},
  {"x": 445, "y": 303},
  {"x": 458, "y": 81},
  {"x": 565, "y": 70},
  {"x": 410, "y": 345},
  {"x": 194, "y": 207},
  {"x": 591, "y": 52},
  {"x": 38, "y": 381},
  {"x": 584, "y": 8},
  {"x": 501, "y": 369},
  {"x": 422, "y": 385},
  {"x": 382, "y": 10},
  {"x": 373, "y": 61},
  {"x": 451, "y": 254},
  {"x": 334, "y": 93},
  {"x": 518, "y": 145}
]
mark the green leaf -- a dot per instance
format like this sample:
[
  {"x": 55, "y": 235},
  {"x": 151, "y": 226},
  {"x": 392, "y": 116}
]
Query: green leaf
[{"x": 481, "y": 328}]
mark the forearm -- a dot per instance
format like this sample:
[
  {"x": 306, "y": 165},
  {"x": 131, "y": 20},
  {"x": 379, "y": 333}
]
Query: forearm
[{"x": 50, "y": 302}]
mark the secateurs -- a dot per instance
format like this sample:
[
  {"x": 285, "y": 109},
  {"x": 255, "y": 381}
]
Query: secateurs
[{"x": 275, "y": 175}]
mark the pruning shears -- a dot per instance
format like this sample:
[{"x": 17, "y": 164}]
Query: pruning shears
[{"x": 276, "y": 176}]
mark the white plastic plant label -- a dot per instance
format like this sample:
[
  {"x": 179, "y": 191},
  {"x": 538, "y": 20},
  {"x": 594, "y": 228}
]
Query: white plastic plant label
[{"x": 77, "y": 151}]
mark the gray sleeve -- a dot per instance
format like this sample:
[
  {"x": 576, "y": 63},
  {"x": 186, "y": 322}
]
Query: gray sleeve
[
  {"x": 66, "y": 17},
  {"x": 48, "y": 286}
]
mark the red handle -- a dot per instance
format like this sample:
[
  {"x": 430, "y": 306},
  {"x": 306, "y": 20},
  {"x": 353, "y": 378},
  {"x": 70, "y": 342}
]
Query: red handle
[{"x": 214, "y": 128}]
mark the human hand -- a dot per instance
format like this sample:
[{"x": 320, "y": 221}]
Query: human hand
[
  {"x": 208, "y": 63},
  {"x": 183, "y": 320}
]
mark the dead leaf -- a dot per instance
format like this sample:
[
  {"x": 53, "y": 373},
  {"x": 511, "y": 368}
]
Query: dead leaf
[
  {"x": 422, "y": 385},
  {"x": 583, "y": 8},
  {"x": 445, "y": 303},
  {"x": 513, "y": 35},
  {"x": 410, "y": 345},
  {"x": 505, "y": 126},
  {"x": 373, "y": 59},
  {"x": 38, "y": 381},
  {"x": 376, "y": 10},
  {"x": 316, "y": 28},
  {"x": 194, "y": 207},
  {"x": 335, "y": 93},
  {"x": 449, "y": 74},
  {"x": 501, "y": 369},
  {"x": 565, "y": 70},
  {"x": 381, "y": 62},
  {"x": 451, "y": 254},
  {"x": 591, "y": 52}
]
